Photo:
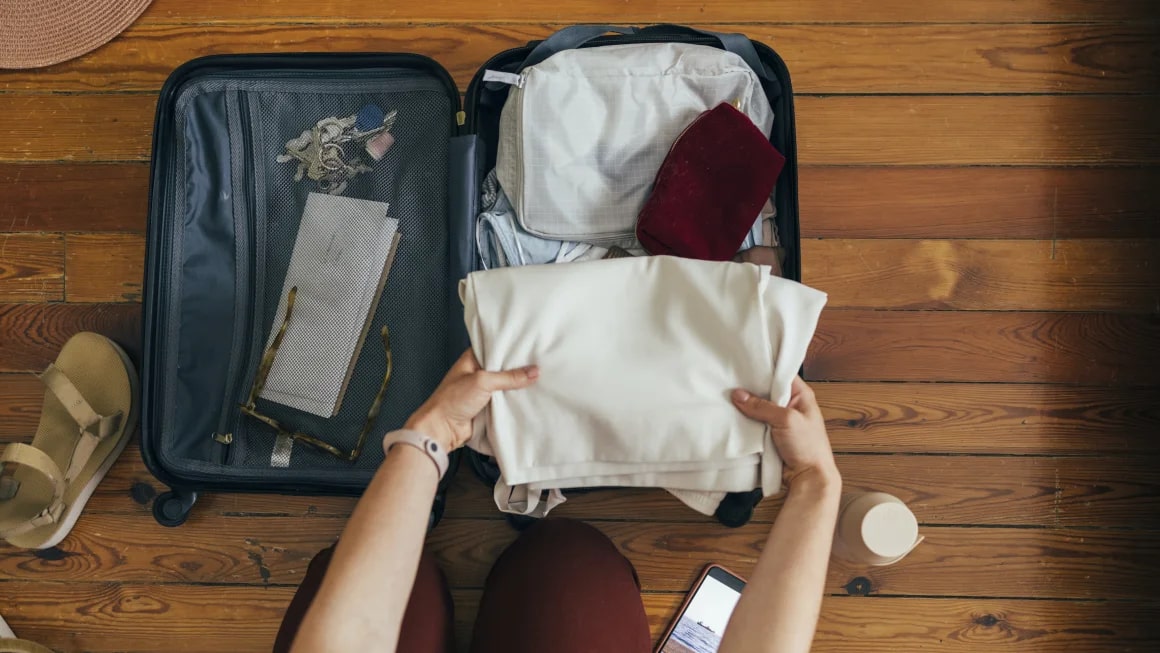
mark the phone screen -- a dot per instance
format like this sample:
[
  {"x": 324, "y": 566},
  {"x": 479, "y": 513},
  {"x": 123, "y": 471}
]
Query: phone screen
[{"x": 700, "y": 625}]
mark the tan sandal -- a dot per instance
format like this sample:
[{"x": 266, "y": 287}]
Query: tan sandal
[
  {"x": 89, "y": 414},
  {"x": 9, "y": 643}
]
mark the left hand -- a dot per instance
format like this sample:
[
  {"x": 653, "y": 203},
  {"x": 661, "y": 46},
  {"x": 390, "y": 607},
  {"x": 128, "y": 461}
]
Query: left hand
[{"x": 446, "y": 416}]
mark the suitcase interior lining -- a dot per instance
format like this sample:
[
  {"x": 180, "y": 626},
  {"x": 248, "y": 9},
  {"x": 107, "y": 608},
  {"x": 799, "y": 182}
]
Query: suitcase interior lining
[{"x": 259, "y": 117}]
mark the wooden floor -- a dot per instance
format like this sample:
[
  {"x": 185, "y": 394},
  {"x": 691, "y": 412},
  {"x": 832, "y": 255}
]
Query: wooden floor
[{"x": 980, "y": 195}]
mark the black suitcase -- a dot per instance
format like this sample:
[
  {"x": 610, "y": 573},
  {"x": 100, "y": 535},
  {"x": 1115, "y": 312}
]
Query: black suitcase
[{"x": 223, "y": 218}]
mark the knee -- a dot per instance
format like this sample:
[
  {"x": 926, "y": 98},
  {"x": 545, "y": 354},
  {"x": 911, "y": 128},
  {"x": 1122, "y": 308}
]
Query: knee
[{"x": 570, "y": 533}]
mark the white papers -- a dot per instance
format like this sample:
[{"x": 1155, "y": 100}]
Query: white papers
[{"x": 340, "y": 262}]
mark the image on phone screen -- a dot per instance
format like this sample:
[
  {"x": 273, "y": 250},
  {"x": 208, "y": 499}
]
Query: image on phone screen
[{"x": 701, "y": 622}]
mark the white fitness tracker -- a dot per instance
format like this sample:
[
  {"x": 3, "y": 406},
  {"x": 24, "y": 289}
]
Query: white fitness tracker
[{"x": 422, "y": 442}]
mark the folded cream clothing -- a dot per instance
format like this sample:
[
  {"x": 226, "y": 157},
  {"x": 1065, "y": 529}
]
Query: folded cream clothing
[{"x": 637, "y": 358}]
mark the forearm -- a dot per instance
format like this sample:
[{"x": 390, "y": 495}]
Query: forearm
[
  {"x": 361, "y": 602},
  {"x": 779, "y": 608}
]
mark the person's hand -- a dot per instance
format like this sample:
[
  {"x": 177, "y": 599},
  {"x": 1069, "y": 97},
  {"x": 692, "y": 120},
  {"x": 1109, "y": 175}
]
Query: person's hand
[
  {"x": 798, "y": 430},
  {"x": 446, "y": 416}
]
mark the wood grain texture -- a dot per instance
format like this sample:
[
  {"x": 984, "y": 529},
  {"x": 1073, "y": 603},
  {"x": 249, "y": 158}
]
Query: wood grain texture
[
  {"x": 1066, "y": 275},
  {"x": 986, "y": 418},
  {"x": 898, "y": 130},
  {"x": 989, "y": 418},
  {"x": 136, "y": 617},
  {"x": 1043, "y": 58},
  {"x": 139, "y": 618},
  {"x": 73, "y": 197},
  {"x": 852, "y": 625},
  {"x": 952, "y": 561},
  {"x": 1041, "y": 203},
  {"x": 1106, "y": 491},
  {"x": 210, "y": 549},
  {"x": 1019, "y": 130},
  {"x": 34, "y": 333},
  {"x": 105, "y": 267},
  {"x": 21, "y": 396},
  {"x": 835, "y": 202},
  {"x": 31, "y": 267},
  {"x": 654, "y": 11},
  {"x": 1077, "y": 348},
  {"x": 855, "y": 625}
]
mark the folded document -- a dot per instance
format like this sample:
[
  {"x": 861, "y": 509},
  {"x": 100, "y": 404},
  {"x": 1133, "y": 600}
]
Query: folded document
[{"x": 341, "y": 257}]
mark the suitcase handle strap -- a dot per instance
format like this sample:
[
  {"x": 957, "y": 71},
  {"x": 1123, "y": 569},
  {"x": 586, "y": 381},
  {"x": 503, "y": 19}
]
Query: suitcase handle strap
[
  {"x": 570, "y": 38},
  {"x": 575, "y": 36}
]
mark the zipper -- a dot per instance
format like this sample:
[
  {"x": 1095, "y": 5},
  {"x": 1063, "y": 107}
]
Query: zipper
[{"x": 241, "y": 178}]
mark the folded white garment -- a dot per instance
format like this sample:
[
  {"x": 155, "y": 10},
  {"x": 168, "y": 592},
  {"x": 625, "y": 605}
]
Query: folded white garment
[{"x": 637, "y": 358}]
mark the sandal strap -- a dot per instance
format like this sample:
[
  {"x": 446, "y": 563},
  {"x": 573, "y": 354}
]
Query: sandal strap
[
  {"x": 94, "y": 427},
  {"x": 28, "y": 456}
]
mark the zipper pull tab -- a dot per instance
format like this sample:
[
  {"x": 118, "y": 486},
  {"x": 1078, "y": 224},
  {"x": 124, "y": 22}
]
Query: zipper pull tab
[{"x": 511, "y": 79}]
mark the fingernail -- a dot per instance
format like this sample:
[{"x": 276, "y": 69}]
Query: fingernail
[
  {"x": 741, "y": 396},
  {"x": 532, "y": 371}
]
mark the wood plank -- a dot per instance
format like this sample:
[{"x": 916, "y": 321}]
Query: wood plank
[
  {"x": 989, "y": 418},
  {"x": 105, "y": 267},
  {"x": 134, "y": 617},
  {"x": 207, "y": 549},
  {"x": 900, "y": 130},
  {"x": 853, "y": 625},
  {"x": 1108, "y": 491},
  {"x": 952, "y": 561},
  {"x": 34, "y": 333},
  {"x": 1042, "y": 203},
  {"x": 643, "y": 12},
  {"x": 73, "y": 197},
  {"x": 20, "y": 399},
  {"x": 1077, "y": 348},
  {"x": 1065, "y": 275},
  {"x": 836, "y": 202},
  {"x": 1024, "y": 130},
  {"x": 1038, "y": 58},
  {"x": 31, "y": 267}
]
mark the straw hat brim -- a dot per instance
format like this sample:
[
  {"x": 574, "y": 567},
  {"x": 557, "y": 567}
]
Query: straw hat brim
[{"x": 35, "y": 33}]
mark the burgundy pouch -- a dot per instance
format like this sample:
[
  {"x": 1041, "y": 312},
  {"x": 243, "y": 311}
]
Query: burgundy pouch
[{"x": 710, "y": 188}]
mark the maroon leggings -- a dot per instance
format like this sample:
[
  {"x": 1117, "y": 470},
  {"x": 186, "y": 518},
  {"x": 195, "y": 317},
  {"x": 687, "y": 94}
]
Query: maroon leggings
[{"x": 561, "y": 587}]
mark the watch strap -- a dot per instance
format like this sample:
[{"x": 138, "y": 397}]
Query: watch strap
[{"x": 423, "y": 443}]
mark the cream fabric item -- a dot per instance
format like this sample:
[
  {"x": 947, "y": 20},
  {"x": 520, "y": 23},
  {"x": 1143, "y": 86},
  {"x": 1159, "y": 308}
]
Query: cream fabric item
[
  {"x": 637, "y": 357},
  {"x": 583, "y": 134}
]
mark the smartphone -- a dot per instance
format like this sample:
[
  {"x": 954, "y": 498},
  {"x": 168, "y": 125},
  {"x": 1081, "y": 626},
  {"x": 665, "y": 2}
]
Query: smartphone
[{"x": 701, "y": 619}]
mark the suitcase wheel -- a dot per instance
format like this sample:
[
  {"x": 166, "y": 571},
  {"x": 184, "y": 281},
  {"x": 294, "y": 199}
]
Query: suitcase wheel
[{"x": 172, "y": 508}]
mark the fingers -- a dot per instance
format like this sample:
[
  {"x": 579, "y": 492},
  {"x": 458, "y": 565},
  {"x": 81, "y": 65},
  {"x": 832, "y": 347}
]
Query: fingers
[
  {"x": 762, "y": 410},
  {"x": 802, "y": 396},
  {"x": 508, "y": 379}
]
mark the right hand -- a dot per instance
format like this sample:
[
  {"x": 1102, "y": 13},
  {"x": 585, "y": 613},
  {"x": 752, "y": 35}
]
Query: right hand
[
  {"x": 446, "y": 416},
  {"x": 798, "y": 431}
]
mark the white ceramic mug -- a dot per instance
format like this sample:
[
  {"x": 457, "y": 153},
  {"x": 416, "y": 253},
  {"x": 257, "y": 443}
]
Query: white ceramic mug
[{"x": 875, "y": 529}]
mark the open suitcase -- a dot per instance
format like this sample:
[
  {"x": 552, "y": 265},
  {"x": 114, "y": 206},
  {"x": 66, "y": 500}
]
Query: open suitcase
[{"x": 223, "y": 219}]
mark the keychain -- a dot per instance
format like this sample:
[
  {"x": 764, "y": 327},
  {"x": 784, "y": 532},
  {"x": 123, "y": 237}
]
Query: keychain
[{"x": 321, "y": 151}]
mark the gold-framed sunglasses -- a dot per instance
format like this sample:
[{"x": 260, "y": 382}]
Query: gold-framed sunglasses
[{"x": 250, "y": 408}]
